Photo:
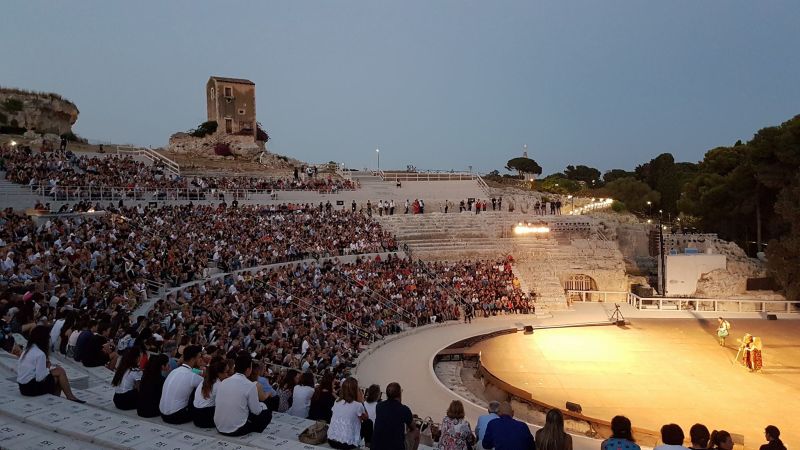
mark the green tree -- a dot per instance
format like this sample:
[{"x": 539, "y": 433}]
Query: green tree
[
  {"x": 524, "y": 166},
  {"x": 667, "y": 177},
  {"x": 588, "y": 175},
  {"x": 633, "y": 193},
  {"x": 615, "y": 174},
  {"x": 558, "y": 185},
  {"x": 783, "y": 253}
]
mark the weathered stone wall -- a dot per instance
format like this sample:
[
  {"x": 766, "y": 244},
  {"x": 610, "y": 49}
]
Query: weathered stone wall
[
  {"x": 41, "y": 112},
  {"x": 241, "y": 146}
]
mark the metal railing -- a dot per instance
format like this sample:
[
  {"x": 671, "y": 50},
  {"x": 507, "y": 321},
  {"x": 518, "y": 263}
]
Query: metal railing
[
  {"x": 113, "y": 193},
  {"x": 687, "y": 304},
  {"x": 426, "y": 176},
  {"x": 152, "y": 155},
  {"x": 713, "y": 304},
  {"x": 597, "y": 296},
  {"x": 483, "y": 185}
]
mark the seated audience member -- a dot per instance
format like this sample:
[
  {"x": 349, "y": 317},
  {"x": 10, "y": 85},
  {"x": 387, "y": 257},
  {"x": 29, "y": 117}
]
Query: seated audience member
[
  {"x": 175, "y": 404},
  {"x": 621, "y": 436},
  {"x": 35, "y": 375},
  {"x": 287, "y": 385},
  {"x": 205, "y": 394},
  {"x": 301, "y": 396},
  {"x": 483, "y": 421},
  {"x": 238, "y": 411},
  {"x": 552, "y": 435},
  {"x": 507, "y": 433},
  {"x": 456, "y": 432},
  {"x": 322, "y": 400},
  {"x": 720, "y": 440},
  {"x": 699, "y": 436},
  {"x": 82, "y": 339},
  {"x": 266, "y": 393},
  {"x": 345, "y": 431},
  {"x": 774, "y": 442},
  {"x": 151, "y": 385},
  {"x": 672, "y": 438},
  {"x": 98, "y": 350},
  {"x": 393, "y": 420},
  {"x": 126, "y": 380},
  {"x": 371, "y": 399}
]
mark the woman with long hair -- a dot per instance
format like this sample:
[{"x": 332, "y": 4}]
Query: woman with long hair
[
  {"x": 621, "y": 436},
  {"x": 322, "y": 400},
  {"x": 552, "y": 435},
  {"x": 153, "y": 376},
  {"x": 126, "y": 380},
  {"x": 720, "y": 440},
  {"x": 371, "y": 399},
  {"x": 456, "y": 431},
  {"x": 301, "y": 396},
  {"x": 205, "y": 395},
  {"x": 286, "y": 389},
  {"x": 348, "y": 412},
  {"x": 35, "y": 375}
]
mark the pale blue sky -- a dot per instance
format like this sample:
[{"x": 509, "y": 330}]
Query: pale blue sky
[{"x": 439, "y": 84}]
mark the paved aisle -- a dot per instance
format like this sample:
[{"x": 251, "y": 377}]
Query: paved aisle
[{"x": 409, "y": 361}]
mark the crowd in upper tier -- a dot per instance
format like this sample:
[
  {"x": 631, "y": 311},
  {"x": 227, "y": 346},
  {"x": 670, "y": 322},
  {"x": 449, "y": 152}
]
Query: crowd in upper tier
[{"x": 61, "y": 174}]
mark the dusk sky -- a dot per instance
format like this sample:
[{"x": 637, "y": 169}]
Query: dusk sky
[{"x": 438, "y": 84}]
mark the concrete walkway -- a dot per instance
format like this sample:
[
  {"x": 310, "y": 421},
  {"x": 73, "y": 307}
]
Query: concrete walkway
[{"x": 408, "y": 359}]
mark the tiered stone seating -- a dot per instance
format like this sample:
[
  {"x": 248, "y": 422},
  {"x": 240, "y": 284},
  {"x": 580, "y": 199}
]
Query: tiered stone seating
[
  {"x": 53, "y": 422},
  {"x": 542, "y": 262}
]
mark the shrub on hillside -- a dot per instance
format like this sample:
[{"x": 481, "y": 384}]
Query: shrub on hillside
[
  {"x": 261, "y": 135},
  {"x": 205, "y": 128},
  {"x": 618, "y": 206},
  {"x": 12, "y": 105},
  {"x": 3, "y": 118}
]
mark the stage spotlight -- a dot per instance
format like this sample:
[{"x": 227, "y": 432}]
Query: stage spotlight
[
  {"x": 523, "y": 229},
  {"x": 528, "y": 329}
]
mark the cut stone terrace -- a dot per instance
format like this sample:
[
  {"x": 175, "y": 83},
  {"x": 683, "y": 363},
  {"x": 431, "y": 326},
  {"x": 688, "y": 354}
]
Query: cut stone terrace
[{"x": 543, "y": 263}]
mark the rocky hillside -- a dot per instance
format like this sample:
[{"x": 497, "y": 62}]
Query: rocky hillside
[{"x": 22, "y": 111}]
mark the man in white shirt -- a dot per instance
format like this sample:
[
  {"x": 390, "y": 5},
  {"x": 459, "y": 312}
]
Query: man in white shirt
[
  {"x": 238, "y": 411},
  {"x": 179, "y": 386}
]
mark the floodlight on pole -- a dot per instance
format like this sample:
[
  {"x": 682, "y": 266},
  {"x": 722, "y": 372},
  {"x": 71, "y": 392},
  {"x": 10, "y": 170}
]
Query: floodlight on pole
[{"x": 378, "y": 155}]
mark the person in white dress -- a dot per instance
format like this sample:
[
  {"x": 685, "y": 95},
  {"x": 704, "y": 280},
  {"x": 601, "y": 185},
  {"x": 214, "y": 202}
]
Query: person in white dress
[
  {"x": 344, "y": 431},
  {"x": 301, "y": 396}
]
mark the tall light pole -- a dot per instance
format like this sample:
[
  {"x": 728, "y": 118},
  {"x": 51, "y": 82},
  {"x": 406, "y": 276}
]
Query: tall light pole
[
  {"x": 649, "y": 208},
  {"x": 378, "y": 155}
]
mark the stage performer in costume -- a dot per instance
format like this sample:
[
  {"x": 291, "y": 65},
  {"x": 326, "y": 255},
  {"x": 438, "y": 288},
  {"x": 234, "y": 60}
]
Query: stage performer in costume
[
  {"x": 751, "y": 352},
  {"x": 723, "y": 330}
]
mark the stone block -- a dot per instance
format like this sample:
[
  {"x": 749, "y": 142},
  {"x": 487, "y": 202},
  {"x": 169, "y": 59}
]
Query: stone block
[{"x": 14, "y": 434}]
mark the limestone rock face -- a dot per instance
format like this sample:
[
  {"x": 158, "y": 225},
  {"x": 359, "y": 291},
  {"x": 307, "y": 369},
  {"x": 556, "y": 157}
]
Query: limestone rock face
[
  {"x": 39, "y": 112},
  {"x": 240, "y": 146}
]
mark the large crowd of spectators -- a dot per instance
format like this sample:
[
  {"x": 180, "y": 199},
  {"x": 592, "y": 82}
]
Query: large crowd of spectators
[
  {"x": 64, "y": 175},
  {"x": 227, "y": 351}
]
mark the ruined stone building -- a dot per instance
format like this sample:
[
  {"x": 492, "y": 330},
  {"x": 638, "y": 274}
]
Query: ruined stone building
[{"x": 231, "y": 102}]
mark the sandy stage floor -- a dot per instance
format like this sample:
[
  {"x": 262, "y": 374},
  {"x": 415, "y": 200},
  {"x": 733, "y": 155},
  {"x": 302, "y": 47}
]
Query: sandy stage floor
[{"x": 660, "y": 371}]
